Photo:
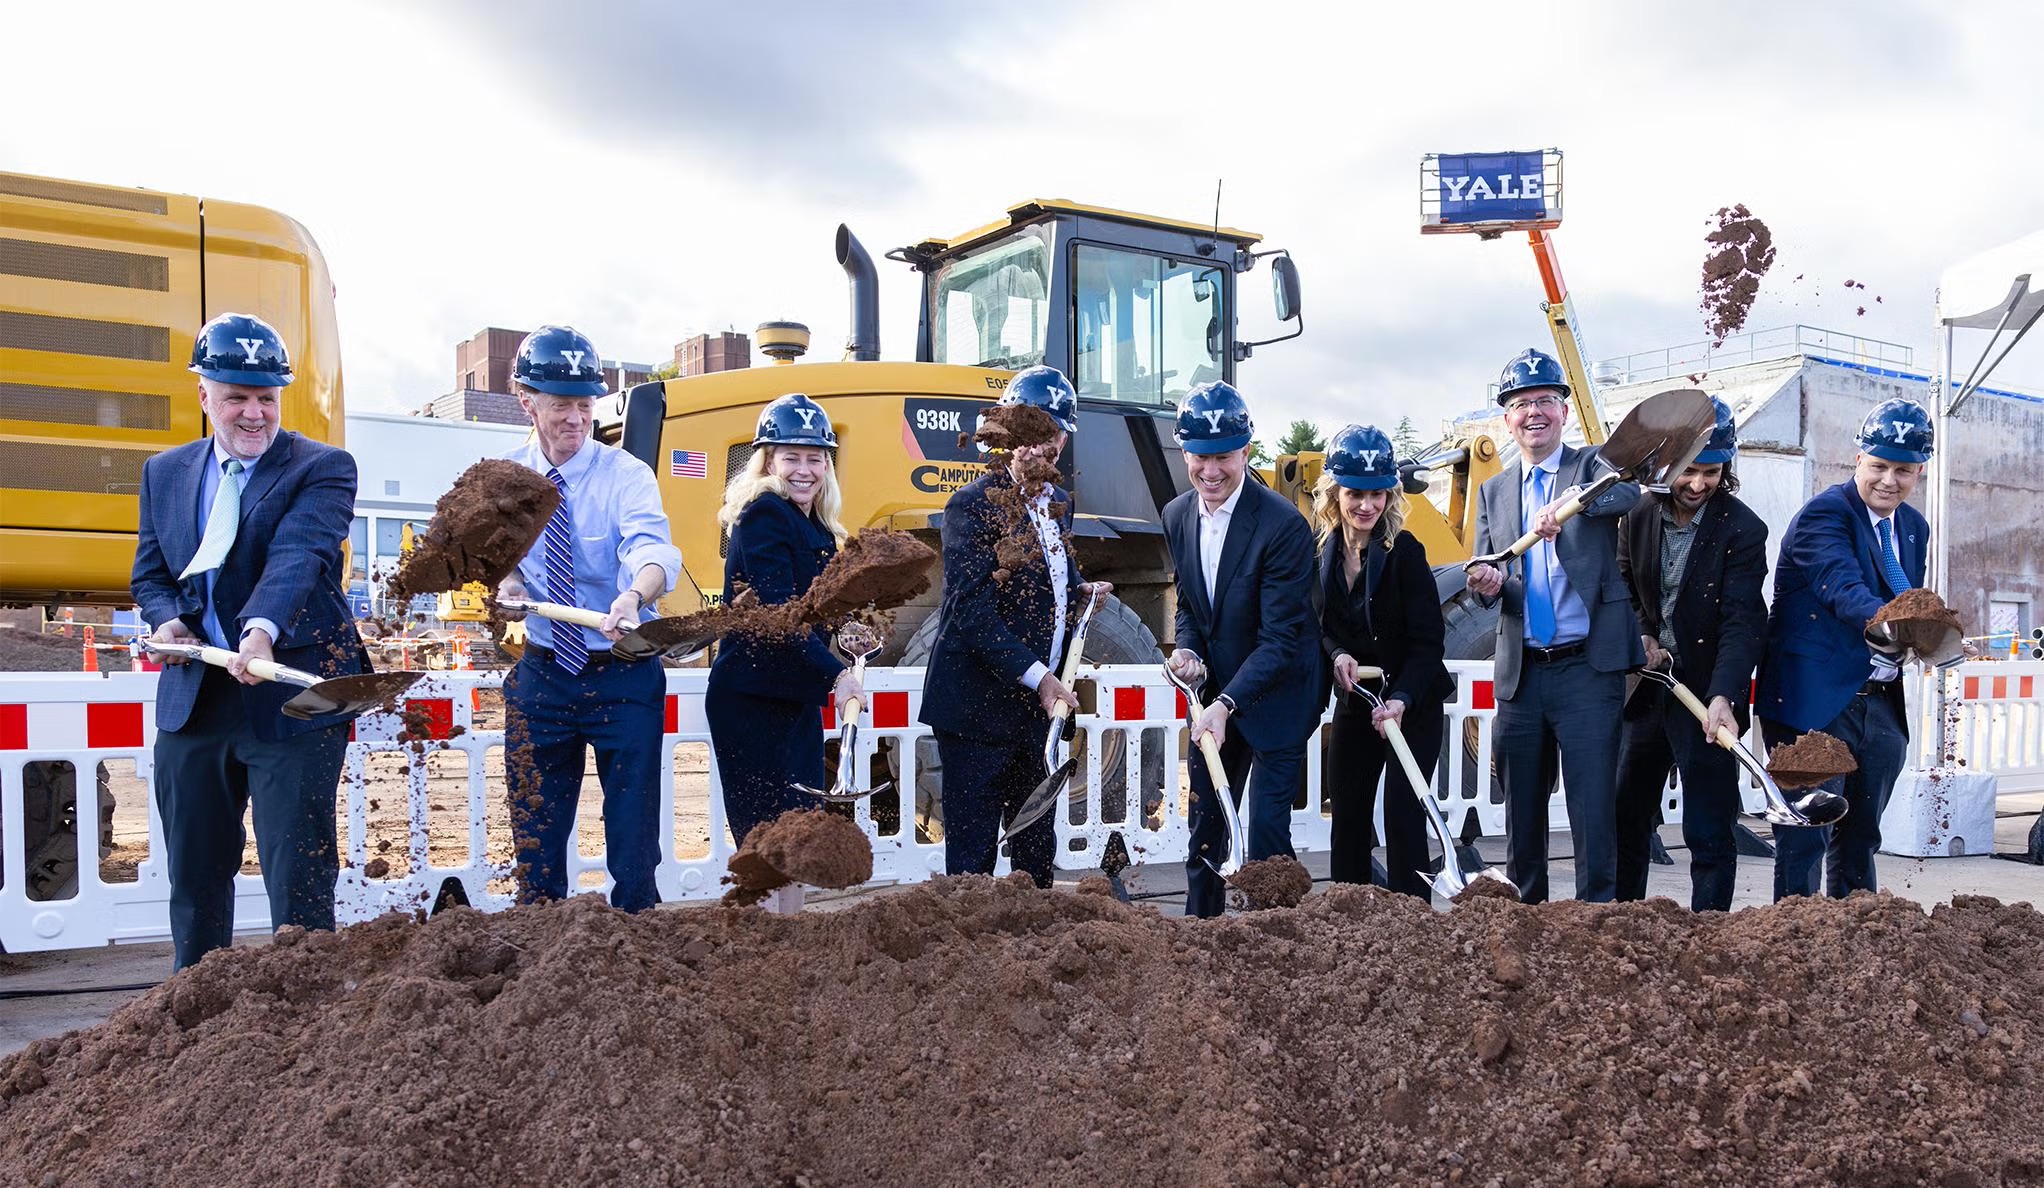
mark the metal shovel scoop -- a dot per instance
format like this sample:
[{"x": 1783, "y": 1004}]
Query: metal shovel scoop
[
  {"x": 349, "y": 695},
  {"x": 1238, "y": 833},
  {"x": 1816, "y": 807},
  {"x": 1660, "y": 436},
  {"x": 632, "y": 646},
  {"x": 858, "y": 643},
  {"x": 1452, "y": 881},
  {"x": 1058, "y": 759},
  {"x": 1936, "y": 642}
]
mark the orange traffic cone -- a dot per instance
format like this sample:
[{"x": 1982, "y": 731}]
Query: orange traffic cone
[{"x": 91, "y": 653}]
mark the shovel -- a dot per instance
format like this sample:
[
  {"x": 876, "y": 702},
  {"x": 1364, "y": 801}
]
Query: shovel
[
  {"x": 1938, "y": 642},
  {"x": 857, "y": 643},
  {"x": 1817, "y": 807},
  {"x": 1452, "y": 881},
  {"x": 1238, "y": 833},
  {"x": 1057, "y": 757},
  {"x": 634, "y": 645},
  {"x": 349, "y": 695},
  {"x": 1660, "y": 436}
]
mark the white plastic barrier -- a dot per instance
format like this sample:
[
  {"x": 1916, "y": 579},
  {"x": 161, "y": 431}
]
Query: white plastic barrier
[{"x": 1996, "y": 709}]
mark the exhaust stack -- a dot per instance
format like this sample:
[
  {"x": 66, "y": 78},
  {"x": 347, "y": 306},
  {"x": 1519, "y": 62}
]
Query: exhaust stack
[{"x": 864, "y": 345}]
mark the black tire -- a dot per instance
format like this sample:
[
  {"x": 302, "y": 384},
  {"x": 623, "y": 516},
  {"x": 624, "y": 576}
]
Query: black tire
[{"x": 1472, "y": 635}]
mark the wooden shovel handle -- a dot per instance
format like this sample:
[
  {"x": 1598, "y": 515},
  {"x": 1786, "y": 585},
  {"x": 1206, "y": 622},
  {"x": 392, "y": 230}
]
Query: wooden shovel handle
[
  {"x": 566, "y": 614},
  {"x": 268, "y": 670},
  {"x": 1725, "y": 738},
  {"x": 1419, "y": 782},
  {"x": 1568, "y": 511},
  {"x": 850, "y": 712}
]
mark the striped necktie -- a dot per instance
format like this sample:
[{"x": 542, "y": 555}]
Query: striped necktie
[
  {"x": 1891, "y": 566},
  {"x": 569, "y": 650},
  {"x": 221, "y": 523}
]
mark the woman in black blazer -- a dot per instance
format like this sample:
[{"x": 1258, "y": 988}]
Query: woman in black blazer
[
  {"x": 1378, "y": 609},
  {"x": 765, "y": 696}
]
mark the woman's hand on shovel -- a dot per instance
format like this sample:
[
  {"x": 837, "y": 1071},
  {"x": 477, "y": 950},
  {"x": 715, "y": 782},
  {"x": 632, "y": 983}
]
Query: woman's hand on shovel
[{"x": 1391, "y": 711}]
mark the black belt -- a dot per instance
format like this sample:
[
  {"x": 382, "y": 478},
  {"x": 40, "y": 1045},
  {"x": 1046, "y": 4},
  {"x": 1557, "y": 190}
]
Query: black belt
[
  {"x": 1875, "y": 688},
  {"x": 1540, "y": 655},
  {"x": 595, "y": 658}
]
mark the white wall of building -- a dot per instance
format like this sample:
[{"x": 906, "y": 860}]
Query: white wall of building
[{"x": 405, "y": 464}]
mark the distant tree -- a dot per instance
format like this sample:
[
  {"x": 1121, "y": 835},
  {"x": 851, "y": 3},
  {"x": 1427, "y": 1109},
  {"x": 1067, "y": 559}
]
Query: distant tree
[
  {"x": 666, "y": 371},
  {"x": 1258, "y": 456},
  {"x": 1405, "y": 439},
  {"x": 1301, "y": 438}
]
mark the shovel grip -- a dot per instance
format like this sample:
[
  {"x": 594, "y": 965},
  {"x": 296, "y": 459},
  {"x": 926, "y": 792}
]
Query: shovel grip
[
  {"x": 579, "y": 616},
  {"x": 1216, "y": 771},
  {"x": 268, "y": 670},
  {"x": 850, "y": 712},
  {"x": 1725, "y": 738},
  {"x": 1419, "y": 782}
]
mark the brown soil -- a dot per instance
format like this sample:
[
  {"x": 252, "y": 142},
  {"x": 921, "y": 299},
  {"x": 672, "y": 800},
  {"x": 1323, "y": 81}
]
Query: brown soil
[
  {"x": 1019, "y": 546},
  {"x": 1009, "y": 427},
  {"x": 1919, "y": 605},
  {"x": 1271, "y": 883},
  {"x": 1810, "y": 760},
  {"x": 1484, "y": 888},
  {"x": 29, "y": 651},
  {"x": 481, "y": 528},
  {"x": 809, "y": 846},
  {"x": 1740, "y": 251},
  {"x": 973, "y": 1031},
  {"x": 877, "y": 571}
]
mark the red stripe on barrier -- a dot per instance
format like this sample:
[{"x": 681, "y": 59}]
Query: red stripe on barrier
[
  {"x": 438, "y": 712},
  {"x": 1178, "y": 707},
  {"x": 1131, "y": 705},
  {"x": 2026, "y": 687},
  {"x": 1972, "y": 688},
  {"x": 1482, "y": 695},
  {"x": 2001, "y": 687},
  {"x": 13, "y": 728},
  {"x": 670, "y": 715},
  {"x": 890, "y": 710},
  {"x": 830, "y": 713},
  {"x": 113, "y": 724}
]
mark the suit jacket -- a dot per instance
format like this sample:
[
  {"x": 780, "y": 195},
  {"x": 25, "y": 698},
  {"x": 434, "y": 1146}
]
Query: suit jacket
[
  {"x": 1827, "y": 584},
  {"x": 1588, "y": 551},
  {"x": 1257, "y": 636},
  {"x": 989, "y": 633},
  {"x": 777, "y": 550},
  {"x": 285, "y": 566},
  {"x": 1409, "y": 638},
  {"x": 1720, "y": 616}
]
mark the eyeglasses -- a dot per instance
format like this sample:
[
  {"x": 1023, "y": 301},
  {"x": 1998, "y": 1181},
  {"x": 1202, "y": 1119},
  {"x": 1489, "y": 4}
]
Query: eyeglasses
[{"x": 1529, "y": 403}]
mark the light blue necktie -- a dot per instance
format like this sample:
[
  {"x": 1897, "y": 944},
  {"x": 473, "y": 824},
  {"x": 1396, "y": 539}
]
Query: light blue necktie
[
  {"x": 221, "y": 523},
  {"x": 1539, "y": 599},
  {"x": 569, "y": 650},
  {"x": 1891, "y": 566}
]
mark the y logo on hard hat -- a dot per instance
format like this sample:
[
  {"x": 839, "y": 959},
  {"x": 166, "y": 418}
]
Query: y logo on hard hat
[
  {"x": 1901, "y": 430},
  {"x": 249, "y": 347},
  {"x": 808, "y": 416},
  {"x": 1213, "y": 416},
  {"x": 574, "y": 359}
]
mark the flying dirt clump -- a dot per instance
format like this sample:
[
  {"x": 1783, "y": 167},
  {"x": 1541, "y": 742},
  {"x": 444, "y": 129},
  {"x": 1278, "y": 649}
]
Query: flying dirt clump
[
  {"x": 1004, "y": 430},
  {"x": 481, "y": 528},
  {"x": 1739, "y": 251},
  {"x": 809, "y": 846}
]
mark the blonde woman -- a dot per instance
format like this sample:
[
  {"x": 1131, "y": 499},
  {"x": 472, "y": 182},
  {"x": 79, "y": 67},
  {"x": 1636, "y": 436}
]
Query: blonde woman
[
  {"x": 765, "y": 696},
  {"x": 1377, "y": 609}
]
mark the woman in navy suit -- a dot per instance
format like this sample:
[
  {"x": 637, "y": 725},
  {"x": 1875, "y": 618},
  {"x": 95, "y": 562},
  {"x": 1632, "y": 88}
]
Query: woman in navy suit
[
  {"x": 765, "y": 696},
  {"x": 1378, "y": 609}
]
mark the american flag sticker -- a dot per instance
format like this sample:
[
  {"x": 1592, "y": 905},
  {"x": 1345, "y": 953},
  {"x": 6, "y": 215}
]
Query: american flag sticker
[{"x": 688, "y": 464}]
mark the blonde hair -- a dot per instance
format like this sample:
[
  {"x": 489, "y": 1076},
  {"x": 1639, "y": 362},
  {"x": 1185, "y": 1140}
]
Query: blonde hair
[
  {"x": 759, "y": 479},
  {"x": 1327, "y": 512}
]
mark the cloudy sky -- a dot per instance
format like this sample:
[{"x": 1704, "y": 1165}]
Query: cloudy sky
[{"x": 649, "y": 170}]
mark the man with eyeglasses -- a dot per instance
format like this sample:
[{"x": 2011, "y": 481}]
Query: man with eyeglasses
[{"x": 1566, "y": 636}]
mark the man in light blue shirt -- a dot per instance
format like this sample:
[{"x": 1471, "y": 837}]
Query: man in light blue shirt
[{"x": 606, "y": 548}]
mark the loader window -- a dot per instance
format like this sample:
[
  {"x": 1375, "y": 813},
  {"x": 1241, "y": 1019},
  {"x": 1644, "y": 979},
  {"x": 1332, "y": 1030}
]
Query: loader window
[
  {"x": 991, "y": 307},
  {"x": 1149, "y": 328}
]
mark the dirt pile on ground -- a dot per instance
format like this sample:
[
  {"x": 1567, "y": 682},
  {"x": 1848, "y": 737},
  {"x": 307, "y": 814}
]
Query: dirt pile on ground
[
  {"x": 31, "y": 651},
  {"x": 481, "y": 528},
  {"x": 812, "y": 846},
  {"x": 1739, "y": 250},
  {"x": 1810, "y": 760},
  {"x": 973, "y": 1031},
  {"x": 1271, "y": 883}
]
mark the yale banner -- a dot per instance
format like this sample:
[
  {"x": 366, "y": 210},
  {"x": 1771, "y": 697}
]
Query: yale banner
[{"x": 1492, "y": 187}]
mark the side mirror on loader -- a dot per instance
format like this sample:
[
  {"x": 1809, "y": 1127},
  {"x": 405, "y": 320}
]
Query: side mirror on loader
[{"x": 1284, "y": 287}]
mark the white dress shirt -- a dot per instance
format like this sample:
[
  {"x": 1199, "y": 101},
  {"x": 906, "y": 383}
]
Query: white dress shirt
[
  {"x": 1213, "y": 534},
  {"x": 1051, "y": 534}
]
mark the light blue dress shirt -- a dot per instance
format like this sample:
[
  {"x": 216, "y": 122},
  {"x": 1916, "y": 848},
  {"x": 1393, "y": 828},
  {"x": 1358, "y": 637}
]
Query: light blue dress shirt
[
  {"x": 1571, "y": 616},
  {"x": 209, "y": 487}
]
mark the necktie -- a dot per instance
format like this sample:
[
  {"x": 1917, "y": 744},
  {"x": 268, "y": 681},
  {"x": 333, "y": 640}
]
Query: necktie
[
  {"x": 569, "y": 650},
  {"x": 1539, "y": 600},
  {"x": 220, "y": 523},
  {"x": 1891, "y": 566}
]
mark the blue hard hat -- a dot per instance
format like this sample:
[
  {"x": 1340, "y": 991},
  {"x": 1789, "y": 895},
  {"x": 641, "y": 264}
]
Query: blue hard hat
[
  {"x": 1531, "y": 369},
  {"x": 1213, "y": 419},
  {"x": 1898, "y": 430},
  {"x": 560, "y": 361},
  {"x": 241, "y": 349},
  {"x": 1361, "y": 458},
  {"x": 1048, "y": 389},
  {"x": 795, "y": 420},
  {"x": 1723, "y": 445}
]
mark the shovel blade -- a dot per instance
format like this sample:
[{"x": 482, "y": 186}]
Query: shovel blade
[
  {"x": 350, "y": 695},
  {"x": 1042, "y": 799},
  {"x": 1661, "y": 435},
  {"x": 676, "y": 635}
]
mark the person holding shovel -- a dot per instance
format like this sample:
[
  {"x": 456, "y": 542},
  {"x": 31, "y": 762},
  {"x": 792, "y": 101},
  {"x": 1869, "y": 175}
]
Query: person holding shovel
[
  {"x": 1851, "y": 549},
  {"x": 1002, "y": 631},
  {"x": 607, "y": 545},
  {"x": 1565, "y": 638},
  {"x": 1694, "y": 560},
  {"x": 240, "y": 547},
  {"x": 1377, "y": 608}
]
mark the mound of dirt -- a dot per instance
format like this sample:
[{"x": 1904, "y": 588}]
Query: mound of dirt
[
  {"x": 481, "y": 528},
  {"x": 1810, "y": 760},
  {"x": 974, "y": 1031},
  {"x": 809, "y": 846},
  {"x": 32, "y": 651},
  {"x": 1272, "y": 883},
  {"x": 1739, "y": 251}
]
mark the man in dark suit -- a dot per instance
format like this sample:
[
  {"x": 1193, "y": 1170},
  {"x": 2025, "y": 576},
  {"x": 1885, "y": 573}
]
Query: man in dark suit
[
  {"x": 1245, "y": 635},
  {"x": 1002, "y": 632},
  {"x": 240, "y": 547},
  {"x": 1850, "y": 550},
  {"x": 1566, "y": 636},
  {"x": 1694, "y": 560}
]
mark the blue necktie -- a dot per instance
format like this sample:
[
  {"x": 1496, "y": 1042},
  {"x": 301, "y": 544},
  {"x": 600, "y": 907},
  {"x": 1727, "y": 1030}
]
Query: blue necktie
[
  {"x": 569, "y": 650},
  {"x": 1539, "y": 599},
  {"x": 1891, "y": 566}
]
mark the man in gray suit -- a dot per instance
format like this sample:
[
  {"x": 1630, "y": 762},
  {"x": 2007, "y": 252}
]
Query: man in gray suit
[{"x": 1566, "y": 636}]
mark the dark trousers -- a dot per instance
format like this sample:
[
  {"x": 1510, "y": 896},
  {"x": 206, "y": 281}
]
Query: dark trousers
[
  {"x": 984, "y": 782},
  {"x": 207, "y": 774},
  {"x": 1871, "y": 728},
  {"x": 1661, "y": 734},
  {"x": 1563, "y": 717},
  {"x": 550, "y": 718},
  {"x": 1272, "y": 782},
  {"x": 764, "y": 747},
  {"x": 1357, "y": 755}
]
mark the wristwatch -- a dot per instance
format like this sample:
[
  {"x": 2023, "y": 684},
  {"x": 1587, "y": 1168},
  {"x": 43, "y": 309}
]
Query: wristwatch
[{"x": 1226, "y": 700}]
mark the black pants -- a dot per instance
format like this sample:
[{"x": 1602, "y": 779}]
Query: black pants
[
  {"x": 985, "y": 781},
  {"x": 207, "y": 774},
  {"x": 1264, "y": 784},
  {"x": 1871, "y": 727},
  {"x": 1357, "y": 755},
  {"x": 1661, "y": 734},
  {"x": 764, "y": 746}
]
